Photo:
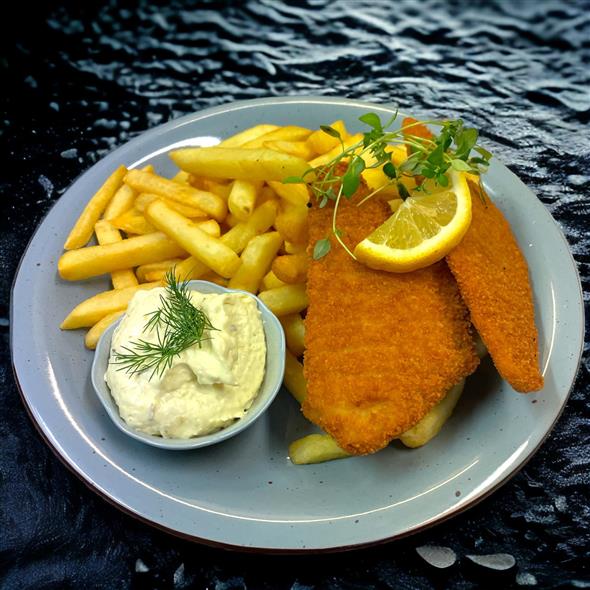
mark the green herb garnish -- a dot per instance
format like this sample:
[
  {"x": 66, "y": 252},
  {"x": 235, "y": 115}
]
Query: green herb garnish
[
  {"x": 428, "y": 158},
  {"x": 178, "y": 324}
]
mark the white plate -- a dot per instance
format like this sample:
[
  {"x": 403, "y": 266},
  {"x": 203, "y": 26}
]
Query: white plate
[{"x": 245, "y": 492}]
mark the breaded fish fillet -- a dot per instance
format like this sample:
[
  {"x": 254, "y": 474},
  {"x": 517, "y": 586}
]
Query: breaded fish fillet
[
  {"x": 381, "y": 348},
  {"x": 493, "y": 277}
]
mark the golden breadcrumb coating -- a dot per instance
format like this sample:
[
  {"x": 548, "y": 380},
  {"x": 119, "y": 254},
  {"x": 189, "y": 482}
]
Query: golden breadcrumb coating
[
  {"x": 381, "y": 348},
  {"x": 493, "y": 277}
]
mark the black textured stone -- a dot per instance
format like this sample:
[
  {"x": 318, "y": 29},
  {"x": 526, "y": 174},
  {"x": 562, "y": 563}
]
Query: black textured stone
[{"x": 81, "y": 78}]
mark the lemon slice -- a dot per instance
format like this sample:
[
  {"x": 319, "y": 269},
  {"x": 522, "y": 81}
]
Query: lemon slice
[{"x": 423, "y": 229}]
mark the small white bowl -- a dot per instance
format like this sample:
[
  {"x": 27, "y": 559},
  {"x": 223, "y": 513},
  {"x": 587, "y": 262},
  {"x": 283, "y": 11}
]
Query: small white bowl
[{"x": 273, "y": 379}]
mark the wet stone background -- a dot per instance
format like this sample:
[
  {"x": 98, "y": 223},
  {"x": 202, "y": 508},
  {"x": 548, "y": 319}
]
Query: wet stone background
[{"x": 79, "y": 79}]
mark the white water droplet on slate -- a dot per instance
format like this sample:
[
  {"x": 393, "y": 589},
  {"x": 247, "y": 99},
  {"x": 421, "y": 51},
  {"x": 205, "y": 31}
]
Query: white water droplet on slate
[
  {"x": 69, "y": 154},
  {"x": 497, "y": 561},
  {"x": 526, "y": 579},
  {"x": 437, "y": 556}
]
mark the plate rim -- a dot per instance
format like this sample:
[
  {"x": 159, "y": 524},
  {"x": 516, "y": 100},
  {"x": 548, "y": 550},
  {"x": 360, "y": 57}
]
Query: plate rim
[{"x": 87, "y": 480}]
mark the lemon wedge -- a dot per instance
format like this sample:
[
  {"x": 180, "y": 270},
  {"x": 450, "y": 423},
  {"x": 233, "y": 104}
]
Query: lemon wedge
[{"x": 423, "y": 229}]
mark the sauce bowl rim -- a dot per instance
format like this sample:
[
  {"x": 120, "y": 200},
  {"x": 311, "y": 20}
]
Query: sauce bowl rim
[{"x": 268, "y": 390}]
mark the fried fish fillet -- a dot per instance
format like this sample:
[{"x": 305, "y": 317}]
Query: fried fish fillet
[
  {"x": 381, "y": 348},
  {"x": 493, "y": 278}
]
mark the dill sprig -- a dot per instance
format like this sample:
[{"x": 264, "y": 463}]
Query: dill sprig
[
  {"x": 428, "y": 158},
  {"x": 178, "y": 324}
]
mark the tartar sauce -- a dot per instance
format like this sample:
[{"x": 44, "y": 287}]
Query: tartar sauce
[{"x": 208, "y": 386}]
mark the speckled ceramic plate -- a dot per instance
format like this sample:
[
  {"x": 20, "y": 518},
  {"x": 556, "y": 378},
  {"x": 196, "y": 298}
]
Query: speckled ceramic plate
[{"x": 244, "y": 492}]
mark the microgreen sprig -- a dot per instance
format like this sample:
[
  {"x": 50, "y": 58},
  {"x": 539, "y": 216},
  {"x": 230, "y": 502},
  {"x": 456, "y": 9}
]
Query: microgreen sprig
[
  {"x": 178, "y": 324},
  {"x": 430, "y": 158}
]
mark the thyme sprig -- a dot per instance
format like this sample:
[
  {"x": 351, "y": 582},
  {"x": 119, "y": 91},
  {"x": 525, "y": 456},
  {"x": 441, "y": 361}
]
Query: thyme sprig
[
  {"x": 430, "y": 158},
  {"x": 178, "y": 325}
]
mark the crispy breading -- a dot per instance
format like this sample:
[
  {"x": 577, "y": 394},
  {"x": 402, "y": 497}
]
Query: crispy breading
[
  {"x": 381, "y": 348},
  {"x": 415, "y": 129},
  {"x": 493, "y": 277}
]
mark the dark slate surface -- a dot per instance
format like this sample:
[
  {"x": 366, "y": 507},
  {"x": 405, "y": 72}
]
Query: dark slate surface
[{"x": 80, "y": 80}]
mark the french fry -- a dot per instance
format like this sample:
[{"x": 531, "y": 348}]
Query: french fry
[
  {"x": 142, "y": 271},
  {"x": 239, "y": 139},
  {"x": 294, "y": 333},
  {"x": 336, "y": 151},
  {"x": 213, "y": 277},
  {"x": 296, "y": 194},
  {"x": 106, "y": 233},
  {"x": 321, "y": 142},
  {"x": 291, "y": 222},
  {"x": 315, "y": 448},
  {"x": 220, "y": 189},
  {"x": 260, "y": 221},
  {"x": 242, "y": 199},
  {"x": 89, "y": 262},
  {"x": 294, "y": 380},
  {"x": 93, "y": 335},
  {"x": 210, "y": 227},
  {"x": 299, "y": 149},
  {"x": 190, "y": 269},
  {"x": 133, "y": 222},
  {"x": 231, "y": 220},
  {"x": 181, "y": 177},
  {"x": 246, "y": 164},
  {"x": 148, "y": 273},
  {"x": 432, "y": 423},
  {"x": 266, "y": 194},
  {"x": 144, "y": 199},
  {"x": 291, "y": 268},
  {"x": 376, "y": 179},
  {"x": 256, "y": 260},
  {"x": 84, "y": 226},
  {"x": 155, "y": 275},
  {"x": 287, "y": 133},
  {"x": 270, "y": 281},
  {"x": 144, "y": 182},
  {"x": 285, "y": 300},
  {"x": 205, "y": 248},
  {"x": 236, "y": 238},
  {"x": 291, "y": 248},
  {"x": 122, "y": 200},
  {"x": 92, "y": 310}
]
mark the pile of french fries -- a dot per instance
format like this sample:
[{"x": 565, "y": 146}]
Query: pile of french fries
[{"x": 225, "y": 217}]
